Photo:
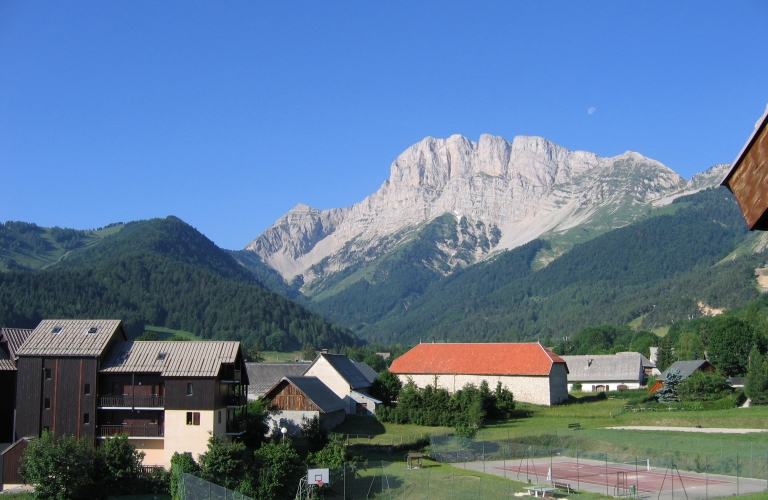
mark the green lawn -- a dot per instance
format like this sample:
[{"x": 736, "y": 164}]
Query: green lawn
[
  {"x": 280, "y": 357},
  {"x": 166, "y": 333}
]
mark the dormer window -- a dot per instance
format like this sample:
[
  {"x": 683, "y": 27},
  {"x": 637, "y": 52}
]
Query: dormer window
[
  {"x": 91, "y": 331},
  {"x": 56, "y": 330},
  {"x": 123, "y": 357},
  {"x": 161, "y": 356}
]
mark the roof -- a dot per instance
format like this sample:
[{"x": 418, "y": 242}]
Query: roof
[
  {"x": 73, "y": 337},
  {"x": 687, "y": 368},
  {"x": 477, "y": 359},
  {"x": 14, "y": 337},
  {"x": 759, "y": 126},
  {"x": 264, "y": 376},
  {"x": 314, "y": 390},
  {"x": 171, "y": 359},
  {"x": 368, "y": 372},
  {"x": 6, "y": 364},
  {"x": 346, "y": 368},
  {"x": 624, "y": 366}
]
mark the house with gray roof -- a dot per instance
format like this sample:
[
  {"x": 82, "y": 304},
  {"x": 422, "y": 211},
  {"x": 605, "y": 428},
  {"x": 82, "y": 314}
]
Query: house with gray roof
[
  {"x": 607, "y": 372},
  {"x": 347, "y": 381},
  {"x": 264, "y": 376},
  {"x": 10, "y": 342},
  {"x": 687, "y": 368},
  {"x": 294, "y": 400}
]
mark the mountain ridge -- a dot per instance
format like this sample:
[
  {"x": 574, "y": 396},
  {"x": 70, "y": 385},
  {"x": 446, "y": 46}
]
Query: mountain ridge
[{"x": 518, "y": 191}]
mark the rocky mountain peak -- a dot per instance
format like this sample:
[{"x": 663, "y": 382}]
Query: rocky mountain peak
[{"x": 524, "y": 189}]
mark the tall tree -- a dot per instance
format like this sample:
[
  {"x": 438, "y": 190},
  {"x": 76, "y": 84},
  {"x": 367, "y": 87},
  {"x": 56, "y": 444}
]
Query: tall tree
[
  {"x": 665, "y": 355},
  {"x": 668, "y": 393},
  {"x": 728, "y": 343},
  {"x": 756, "y": 384}
]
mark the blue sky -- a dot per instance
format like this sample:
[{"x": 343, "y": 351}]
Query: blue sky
[{"x": 228, "y": 114}]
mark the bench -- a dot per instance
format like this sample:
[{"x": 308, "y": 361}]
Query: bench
[
  {"x": 562, "y": 486},
  {"x": 574, "y": 427}
]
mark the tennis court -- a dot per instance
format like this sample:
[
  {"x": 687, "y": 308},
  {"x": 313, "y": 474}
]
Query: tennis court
[{"x": 639, "y": 479}]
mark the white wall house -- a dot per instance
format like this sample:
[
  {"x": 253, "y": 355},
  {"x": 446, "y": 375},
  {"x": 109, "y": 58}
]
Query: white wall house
[
  {"x": 346, "y": 380},
  {"x": 533, "y": 373},
  {"x": 607, "y": 372}
]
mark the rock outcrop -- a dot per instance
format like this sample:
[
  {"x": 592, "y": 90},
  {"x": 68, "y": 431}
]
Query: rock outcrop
[{"x": 512, "y": 192}]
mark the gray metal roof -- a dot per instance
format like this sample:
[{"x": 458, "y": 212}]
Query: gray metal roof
[
  {"x": 687, "y": 368},
  {"x": 72, "y": 337},
  {"x": 6, "y": 364},
  {"x": 316, "y": 391},
  {"x": 368, "y": 372},
  {"x": 15, "y": 337},
  {"x": 264, "y": 376},
  {"x": 624, "y": 366},
  {"x": 171, "y": 359},
  {"x": 346, "y": 368}
]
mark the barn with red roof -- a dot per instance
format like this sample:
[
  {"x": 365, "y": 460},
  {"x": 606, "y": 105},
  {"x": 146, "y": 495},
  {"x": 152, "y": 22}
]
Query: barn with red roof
[{"x": 532, "y": 372}]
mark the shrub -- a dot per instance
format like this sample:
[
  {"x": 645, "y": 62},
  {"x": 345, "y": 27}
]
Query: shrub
[{"x": 703, "y": 386}]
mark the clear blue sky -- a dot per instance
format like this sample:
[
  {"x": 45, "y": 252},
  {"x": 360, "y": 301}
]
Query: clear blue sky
[{"x": 228, "y": 114}]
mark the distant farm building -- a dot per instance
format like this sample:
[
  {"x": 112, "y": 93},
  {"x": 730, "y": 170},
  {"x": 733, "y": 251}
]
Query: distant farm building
[
  {"x": 687, "y": 368},
  {"x": 294, "y": 400},
  {"x": 608, "y": 372},
  {"x": 349, "y": 380},
  {"x": 532, "y": 372}
]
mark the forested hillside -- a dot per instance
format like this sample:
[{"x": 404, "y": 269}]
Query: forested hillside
[
  {"x": 163, "y": 272},
  {"x": 658, "y": 268}
]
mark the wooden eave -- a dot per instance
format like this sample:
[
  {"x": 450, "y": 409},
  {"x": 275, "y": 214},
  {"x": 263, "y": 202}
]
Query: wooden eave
[{"x": 748, "y": 177}]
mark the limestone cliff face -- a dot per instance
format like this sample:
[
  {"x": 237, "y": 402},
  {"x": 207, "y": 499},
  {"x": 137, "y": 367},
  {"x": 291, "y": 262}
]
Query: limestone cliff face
[{"x": 512, "y": 192}]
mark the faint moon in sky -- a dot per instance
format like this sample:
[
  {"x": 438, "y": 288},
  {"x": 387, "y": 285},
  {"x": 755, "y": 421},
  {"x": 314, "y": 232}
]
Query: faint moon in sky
[{"x": 592, "y": 110}]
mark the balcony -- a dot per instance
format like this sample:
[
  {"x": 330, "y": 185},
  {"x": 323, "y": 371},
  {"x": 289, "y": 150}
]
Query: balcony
[
  {"x": 235, "y": 428},
  {"x": 129, "y": 430},
  {"x": 132, "y": 402},
  {"x": 230, "y": 376},
  {"x": 234, "y": 401}
]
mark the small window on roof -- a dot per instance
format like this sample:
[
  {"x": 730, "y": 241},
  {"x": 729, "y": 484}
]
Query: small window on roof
[
  {"x": 161, "y": 356},
  {"x": 56, "y": 330},
  {"x": 122, "y": 357},
  {"x": 91, "y": 331}
]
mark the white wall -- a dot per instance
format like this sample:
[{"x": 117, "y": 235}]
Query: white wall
[
  {"x": 611, "y": 385},
  {"x": 323, "y": 370},
  {"x": 526, "y": 389},
  {"x": 182, "y": 438}
]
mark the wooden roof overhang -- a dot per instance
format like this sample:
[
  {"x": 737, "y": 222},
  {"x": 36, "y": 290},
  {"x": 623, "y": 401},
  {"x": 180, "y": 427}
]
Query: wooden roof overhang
[{"x": 748, "y": 177}]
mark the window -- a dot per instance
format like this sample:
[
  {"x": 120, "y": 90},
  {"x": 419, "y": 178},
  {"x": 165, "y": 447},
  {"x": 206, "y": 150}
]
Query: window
[
  {"x": 56, "y": 330},
  {"x": 91, "y": 331},
  {"x": 47, "y": 403},
  {"x": 219, "y": 416},
  {"x": 161, "y": 356},
  {"x": 86, "y": 418},
  {"x": 47, "y": 374},
  {"x": 193, "y": 418},
  {"x": 189, "y": 389},
  {"x": 87, "y": 389}
]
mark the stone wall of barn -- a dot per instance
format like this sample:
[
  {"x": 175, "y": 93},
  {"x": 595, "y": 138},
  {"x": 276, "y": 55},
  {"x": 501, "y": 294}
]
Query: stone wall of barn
[{"x": 539, "y": 390}]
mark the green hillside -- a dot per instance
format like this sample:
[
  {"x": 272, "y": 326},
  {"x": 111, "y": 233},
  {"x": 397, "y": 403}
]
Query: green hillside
[
  {"x": 29, "y": 247},
  {"x": 659, "y": 268},
  {"x": 163, "y": 272}
]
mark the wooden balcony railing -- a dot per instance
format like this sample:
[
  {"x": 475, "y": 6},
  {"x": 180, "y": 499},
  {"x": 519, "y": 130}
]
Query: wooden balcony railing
[
  {"x": 146, "y": 430},
  {"x": 237, "y": 400},
  {"x": 131, "y": 401},
  {"x": 230, "y": 375},
  {"x": 235, "y": 427}
]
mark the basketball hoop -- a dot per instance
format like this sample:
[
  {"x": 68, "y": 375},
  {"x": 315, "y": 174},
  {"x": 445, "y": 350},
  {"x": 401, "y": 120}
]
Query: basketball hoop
[{"x": 319, "y": 483}]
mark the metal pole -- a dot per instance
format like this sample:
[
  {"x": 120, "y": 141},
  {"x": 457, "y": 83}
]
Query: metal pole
[
  {"x": 344, "y": 475},
  {"x": 606, "y": 473}
]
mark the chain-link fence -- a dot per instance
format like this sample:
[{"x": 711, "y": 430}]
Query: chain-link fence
[
  {"x": 193, "y": 488},
  {"x": 615, "y": 463}
]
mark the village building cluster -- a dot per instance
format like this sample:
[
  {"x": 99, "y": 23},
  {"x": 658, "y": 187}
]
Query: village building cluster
[{"x": 86, "y": 379}]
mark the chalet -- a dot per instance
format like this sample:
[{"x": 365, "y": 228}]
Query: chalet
[
  {"x": 609, "y": 372},
  {"x": 533, "y": 373},
  {"x": 264, "y": 376},
  {"x": 296, "y": 399},
  {"x": 10, "y": 342},
  {"x": 346, "y": 380},
  {"x": 748, "y": 177},
  {"x": 687, "y": 368},
  {"x": 83, "y": 378}
]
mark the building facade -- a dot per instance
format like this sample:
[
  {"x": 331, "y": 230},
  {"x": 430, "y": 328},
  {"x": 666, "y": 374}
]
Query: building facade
[{"x": 533, "y": 373}]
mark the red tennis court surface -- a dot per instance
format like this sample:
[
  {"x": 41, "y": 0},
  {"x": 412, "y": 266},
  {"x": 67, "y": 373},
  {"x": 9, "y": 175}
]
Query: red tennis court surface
[{"x": 612, "y": 476}]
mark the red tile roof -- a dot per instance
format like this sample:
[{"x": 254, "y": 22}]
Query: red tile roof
[{"x": 477, "y": 359}]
